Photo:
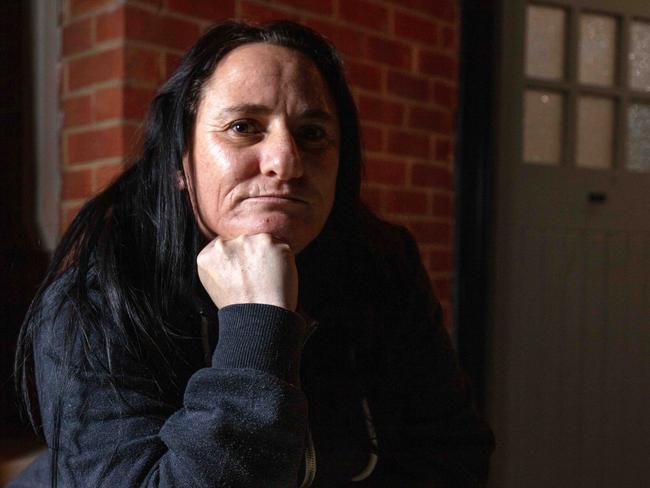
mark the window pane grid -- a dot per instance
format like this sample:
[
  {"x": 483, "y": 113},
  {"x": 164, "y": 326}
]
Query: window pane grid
[
  {"x": 598, "y": 43},
  {"x": 639, "y": 56},
  {"x": 545, "y": 42},
  {"x": 595, "y": 141},
  {"x": 581, "y": 78}
]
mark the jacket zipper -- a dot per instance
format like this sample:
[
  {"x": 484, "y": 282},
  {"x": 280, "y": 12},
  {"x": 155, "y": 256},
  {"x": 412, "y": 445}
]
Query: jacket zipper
[
  {"x": 310, "y": 450},
  {"x": 370, "y": 428},
  {"x": 372, "y": 435},
  {"x": 310, "y": 461}
]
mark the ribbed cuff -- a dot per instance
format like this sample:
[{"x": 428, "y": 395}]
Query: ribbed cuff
[{"x": 262, "y": 337}]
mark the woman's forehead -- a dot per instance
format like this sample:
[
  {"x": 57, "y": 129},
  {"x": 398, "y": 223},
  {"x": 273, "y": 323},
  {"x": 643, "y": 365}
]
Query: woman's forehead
[{"x": 267, "y": 74}]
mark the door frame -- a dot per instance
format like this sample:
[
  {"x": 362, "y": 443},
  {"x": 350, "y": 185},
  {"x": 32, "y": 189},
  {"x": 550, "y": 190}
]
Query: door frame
[
  {"x": 46, "y": 54},
  {"x": 474, "y": 175}
]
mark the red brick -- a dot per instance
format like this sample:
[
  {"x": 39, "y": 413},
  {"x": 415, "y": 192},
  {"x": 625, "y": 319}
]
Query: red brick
[
  {"x": 424, "y": 257},
  {"x": 364, "y": 13},
  {"x": 372, "y": 197},
  {"x": 406, "y": 202},
  {"x": 389, "y": 52},
  {"x": 408, "y": 86},
  {"x": 416, "y": 28},
  {"x": 347, "y": 41},
  {"x": 137, "y": 101},
  {"x": 178, "y": 34},
  {"x": 441, "y": 261},
  {"x": 440, "y": 9},
  {"x": 447, "y": 316},
  {"x": 443, "y": 206},
  {"x": 431, "y": 232},
  {"x": 436, "y": 64},
  {"x": 76, "y": 184},
  {"x": 258, "y": 13},
  {"x": 95, "y": 144},
  {"x": 163, "y": 30},
  {"x": 443, "y": 289},
  {"x": 110, "y": 25},
  {"x": 77, "y": 37},
  {"x": 433, "y": 120},
  {"x": 325, "y": 7},
  {"x": 444, "y": 9},
  {"x": 142, "y": 65},
  {"x": 431, "y": 176},
  {"x": 445, "y": 95},
  {"x": 379, "y": 110},
  {"x": 372, "y": 138},
  {"x": 95, "y": 68},
  {"x": 79, "y": 7},
  {"x": 133, "y": 141},
  {"x": 449, "y": 38},
  {"x": 109, "y": 103},
  {"x": 444, "y": 150},
  {"x": 106, "y": 174},
  {"x": 77, "y": 111},
  {"x": 208, "y": 9},
  {"x": 385, "y": 171},
  {"x": 122, "y": 101},
  {"x": 363, "y": 75},
  {"x": 408, "y": 144},
  {"x": 171, "y": 63},
  {"x": 68, "y": 213}
]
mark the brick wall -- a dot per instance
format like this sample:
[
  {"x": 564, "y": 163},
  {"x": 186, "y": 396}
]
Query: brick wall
[{"x": 401, "y": 58}]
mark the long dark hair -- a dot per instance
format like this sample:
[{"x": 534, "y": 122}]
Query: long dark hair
[{"x": 139, "y": 239}]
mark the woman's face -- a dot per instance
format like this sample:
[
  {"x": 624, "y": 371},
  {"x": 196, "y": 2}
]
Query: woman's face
[{"x": 265, "y": 150}]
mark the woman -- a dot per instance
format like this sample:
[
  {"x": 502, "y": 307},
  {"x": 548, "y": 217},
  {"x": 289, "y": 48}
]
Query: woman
[{"x": 228, "y": 314}]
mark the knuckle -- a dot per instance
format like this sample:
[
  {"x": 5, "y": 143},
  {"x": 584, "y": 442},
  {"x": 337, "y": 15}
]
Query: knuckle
[{"x": 239, "y": 240}]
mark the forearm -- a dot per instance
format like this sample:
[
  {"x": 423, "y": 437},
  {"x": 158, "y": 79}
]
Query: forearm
[{"x": 242, "y": 421}]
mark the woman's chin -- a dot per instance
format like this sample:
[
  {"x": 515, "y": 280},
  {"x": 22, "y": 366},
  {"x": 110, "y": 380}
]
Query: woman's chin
[{"x": 297, "y": 233}]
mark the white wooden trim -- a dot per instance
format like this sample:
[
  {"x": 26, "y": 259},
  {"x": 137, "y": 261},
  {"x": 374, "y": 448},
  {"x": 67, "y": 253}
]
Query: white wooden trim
[{"x": 46, "y": 37}]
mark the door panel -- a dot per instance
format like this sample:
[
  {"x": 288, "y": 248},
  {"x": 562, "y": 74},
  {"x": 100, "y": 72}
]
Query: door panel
[
  {"x": 569, "y": 393},
  {"x": 578, "y": 379}
]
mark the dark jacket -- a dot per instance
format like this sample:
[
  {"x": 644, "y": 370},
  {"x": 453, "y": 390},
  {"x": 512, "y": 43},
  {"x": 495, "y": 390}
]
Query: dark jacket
[{"x": 242, "y": 420}]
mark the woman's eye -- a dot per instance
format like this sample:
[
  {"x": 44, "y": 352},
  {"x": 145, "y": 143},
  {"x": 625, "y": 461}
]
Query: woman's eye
[
  {"x": 244, "y": 127},
  {"x": 312, "y": 133}
]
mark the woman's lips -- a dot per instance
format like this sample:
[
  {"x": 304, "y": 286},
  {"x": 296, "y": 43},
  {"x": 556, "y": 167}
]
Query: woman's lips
[{"x": 273, "y": 198}]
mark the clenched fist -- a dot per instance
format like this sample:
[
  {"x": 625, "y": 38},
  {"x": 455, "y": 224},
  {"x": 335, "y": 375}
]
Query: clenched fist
[{"x": 249, "y": 269}]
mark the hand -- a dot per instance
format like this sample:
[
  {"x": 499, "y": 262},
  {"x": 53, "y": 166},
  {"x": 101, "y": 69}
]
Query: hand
[{"x": 249, "y": 269}]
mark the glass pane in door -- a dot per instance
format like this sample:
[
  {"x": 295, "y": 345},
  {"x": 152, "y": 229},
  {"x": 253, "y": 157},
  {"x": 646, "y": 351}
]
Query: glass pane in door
[
  {"x": 638, "y": 143},
  {"x": 597, "y": 49},
  {"x": 543, "y": 116},
  {"x": 595, "y": 132},
  {"x": 545, "y": 37},
  {"x": 639, "y": 56}
]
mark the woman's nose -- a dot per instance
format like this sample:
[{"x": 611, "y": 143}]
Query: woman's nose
[{"x": 281, "y": 157}]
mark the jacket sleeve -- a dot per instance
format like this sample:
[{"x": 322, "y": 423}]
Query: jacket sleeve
[
  {"x": 429, "y": 431},
  {"x": 242, "y": 420}
]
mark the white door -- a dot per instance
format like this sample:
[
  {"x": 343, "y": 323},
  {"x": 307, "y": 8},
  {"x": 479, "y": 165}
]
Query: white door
[{"x": 569, "y": 393}]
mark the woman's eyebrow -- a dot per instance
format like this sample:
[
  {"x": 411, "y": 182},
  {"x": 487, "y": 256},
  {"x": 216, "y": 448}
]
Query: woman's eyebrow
[
  {"x": 318, "y": 114},
  {"x": 258, "y": 109},
  {"x": 244, "y": 108}
]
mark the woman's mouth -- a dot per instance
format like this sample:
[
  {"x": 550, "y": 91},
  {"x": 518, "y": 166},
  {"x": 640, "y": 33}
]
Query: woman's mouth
[{"x": 278, "y": 198}]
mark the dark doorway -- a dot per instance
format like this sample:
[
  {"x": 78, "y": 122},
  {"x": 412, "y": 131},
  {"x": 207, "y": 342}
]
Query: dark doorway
[
  {"x": 22, "y": 262},
  {"x": 473, "y": 186}
]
